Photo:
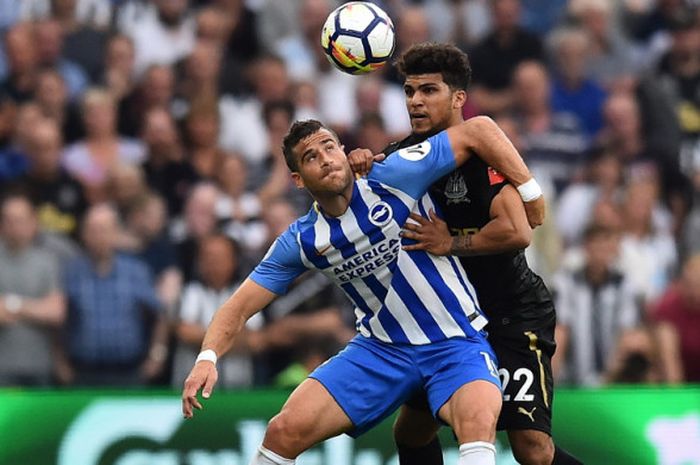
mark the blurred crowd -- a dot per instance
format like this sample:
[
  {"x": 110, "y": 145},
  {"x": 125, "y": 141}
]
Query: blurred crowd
[{"x": 142, "y": 176}]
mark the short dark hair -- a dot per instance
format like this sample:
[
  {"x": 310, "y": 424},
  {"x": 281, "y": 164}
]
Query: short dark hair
[
  {"x": 299, "y": 131},
  {"x": 430, "y": 57}
]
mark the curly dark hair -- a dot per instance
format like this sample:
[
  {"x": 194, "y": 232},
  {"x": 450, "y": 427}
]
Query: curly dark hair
[
  {"x": 430, "y": 57},
  {"x": 299, "y": 131}
]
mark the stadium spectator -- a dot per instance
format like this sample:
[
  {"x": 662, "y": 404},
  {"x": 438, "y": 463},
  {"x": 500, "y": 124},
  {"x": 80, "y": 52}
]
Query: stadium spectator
[
  {"x": 22, "y": 61},
  {"x": 13, "y": 159},
  {"x": 167, "y": 170},
  {"x": 84, "y": 24},
  {"x": 59, "y": 197},
  {"x": 242, "y": 40},
  {"x": 678, "y": 74},
  {"x": 296, "y": 49},
  {"x": 648, "y": 253},
  {"x": 162, "y": 34},
  {"x": 197, "y": 221},
  {"x": 202, "y": 128},
  {"x": 215, "y": 28},
  {"x": 146, "y": 220},
  {"x": 495, "y": 58},
  {"x": 125, "y": 184},
  {"x": 612, "y": 58},
  {"x": 385, "y": 99},
  {"x": 603, "y": 182},
  {"x": 51, "y": 96},
  {"x": 219, "y": 277},
  {"x": 552, "y": 143},
  {"x": 201, "y": 73},
  {"x": 118, "y": 68},
  {"x": 624, "y": 133},
  {"x": 156, "y": 89},
  {"x": 116, "y": 330},
  {"x": 91, "y": 159},
  {"x": 238, "y": 208},
  {"x": 572, "y": 90},
  {"x": 677, "y": 318},
  {"x": 48, "y": 35},
  {"x": 32, "y": 305},
  {"x": 595, "y": 305},
  {"x": 242, "y": 123}
]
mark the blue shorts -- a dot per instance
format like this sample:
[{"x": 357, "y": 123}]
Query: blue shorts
[{"x": 370, "y": 379}]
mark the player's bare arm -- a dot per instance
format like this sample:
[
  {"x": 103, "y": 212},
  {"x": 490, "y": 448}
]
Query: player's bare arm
[
  {"x": 227, "y": 323},
  {"x": 482, "y": 136},
  {"x": 508, "y": 230}
]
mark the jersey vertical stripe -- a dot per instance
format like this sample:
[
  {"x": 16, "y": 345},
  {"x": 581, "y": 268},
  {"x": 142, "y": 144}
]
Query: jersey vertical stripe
[{"x": 400, "y": 297}]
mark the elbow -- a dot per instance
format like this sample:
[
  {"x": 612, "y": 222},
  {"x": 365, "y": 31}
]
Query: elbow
[{"x": 521, "y": 238}]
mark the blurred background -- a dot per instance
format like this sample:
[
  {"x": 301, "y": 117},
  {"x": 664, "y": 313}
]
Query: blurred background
[{"x": 142, "y": 178}]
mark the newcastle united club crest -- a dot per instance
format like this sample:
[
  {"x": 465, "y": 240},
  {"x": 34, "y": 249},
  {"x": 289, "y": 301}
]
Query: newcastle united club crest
[{"x": 456, "y": 189}]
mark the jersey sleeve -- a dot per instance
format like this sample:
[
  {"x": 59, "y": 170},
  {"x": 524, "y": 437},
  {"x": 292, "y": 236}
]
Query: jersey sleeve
[
  {"x": 281, "y": 265},
  {"x": 413, "y": 169}
]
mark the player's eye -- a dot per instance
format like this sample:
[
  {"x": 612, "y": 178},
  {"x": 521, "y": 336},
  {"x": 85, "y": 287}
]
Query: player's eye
[{"x": 408, "y": 91}]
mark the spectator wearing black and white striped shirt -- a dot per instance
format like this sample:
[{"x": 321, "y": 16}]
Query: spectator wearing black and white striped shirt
[{"x": 595, "y": 307}]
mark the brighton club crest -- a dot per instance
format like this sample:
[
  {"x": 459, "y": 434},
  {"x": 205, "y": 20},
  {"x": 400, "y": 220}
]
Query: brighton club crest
[{"x": 456, "y": 189}]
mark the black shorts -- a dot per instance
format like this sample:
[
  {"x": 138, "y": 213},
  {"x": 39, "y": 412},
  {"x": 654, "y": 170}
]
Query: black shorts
[{"x": 524, "y": 352}]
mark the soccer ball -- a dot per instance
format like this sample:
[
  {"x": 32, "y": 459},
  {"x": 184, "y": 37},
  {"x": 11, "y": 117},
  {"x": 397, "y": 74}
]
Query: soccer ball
[{"x": 358, "y": 37}]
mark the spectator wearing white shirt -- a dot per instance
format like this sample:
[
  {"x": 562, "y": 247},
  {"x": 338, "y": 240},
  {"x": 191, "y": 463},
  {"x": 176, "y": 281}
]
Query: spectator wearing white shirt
[
  {"x": 162, "y": 35},
  {"x": 217, "y": 263},
  {"x": 596, "y": 305}
]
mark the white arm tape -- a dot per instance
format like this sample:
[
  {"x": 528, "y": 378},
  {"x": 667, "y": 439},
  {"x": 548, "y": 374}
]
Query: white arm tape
[
  {"x": 208, "y": 355},
  {"x": 530, "y": 190}
]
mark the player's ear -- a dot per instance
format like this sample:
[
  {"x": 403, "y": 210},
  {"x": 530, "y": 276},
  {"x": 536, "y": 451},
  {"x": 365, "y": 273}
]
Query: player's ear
[
  {"x": 459, "y": 98},
  {"x": 298, "y": 181}
]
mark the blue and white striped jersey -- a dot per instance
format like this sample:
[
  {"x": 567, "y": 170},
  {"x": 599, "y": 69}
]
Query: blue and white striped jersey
[{"x": 400, "y": 297}]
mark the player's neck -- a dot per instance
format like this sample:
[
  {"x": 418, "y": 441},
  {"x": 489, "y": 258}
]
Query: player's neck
[{"x": 335, "y": 204}]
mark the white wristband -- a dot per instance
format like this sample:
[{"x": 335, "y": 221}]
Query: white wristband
[
  {"x": 208, "y": 355},
  {"x": 530, "y": 190}
]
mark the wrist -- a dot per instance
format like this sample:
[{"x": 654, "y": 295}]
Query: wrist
[
  {"x": 530, "y": 190},
  {"x": 207, "y": 355}
]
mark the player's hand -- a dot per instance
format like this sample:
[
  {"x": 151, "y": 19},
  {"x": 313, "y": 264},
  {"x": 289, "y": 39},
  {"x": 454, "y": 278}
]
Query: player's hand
[
  {"x": 361, "y": 160},
  {"x": 535, "y": 211},
  {"x": 432, "y": 234},
  {"x": 203, "y": 376}
]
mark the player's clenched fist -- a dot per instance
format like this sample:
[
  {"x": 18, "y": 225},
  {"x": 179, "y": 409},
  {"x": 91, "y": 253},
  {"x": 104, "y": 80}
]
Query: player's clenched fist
[{"x": 203, "y": 376}]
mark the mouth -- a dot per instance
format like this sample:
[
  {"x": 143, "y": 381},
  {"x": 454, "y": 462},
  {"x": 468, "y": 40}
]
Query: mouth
[{"x": 417, "y": 117}]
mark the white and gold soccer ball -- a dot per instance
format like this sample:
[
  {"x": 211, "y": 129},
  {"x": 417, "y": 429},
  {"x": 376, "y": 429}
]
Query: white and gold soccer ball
[{"x": 358, "y": 37}]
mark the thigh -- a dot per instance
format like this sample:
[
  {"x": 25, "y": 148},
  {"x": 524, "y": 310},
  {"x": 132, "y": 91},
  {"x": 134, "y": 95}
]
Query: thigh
[
  {"x": 524, "y": 355},
  {"x": 451, "y": 364},
  {"x": 369, "y": 380},
  {"x": 313, "y": 408}
]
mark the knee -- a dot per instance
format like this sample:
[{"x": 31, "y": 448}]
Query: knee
[
  {"x": 532, "y": 449},
  {"x": 478, "y": 425},
  {"x": 286, "y": 435}
]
